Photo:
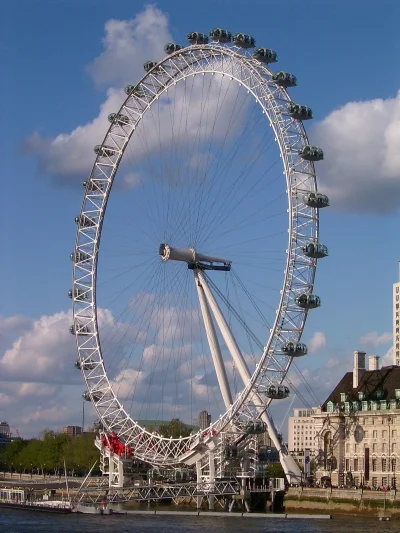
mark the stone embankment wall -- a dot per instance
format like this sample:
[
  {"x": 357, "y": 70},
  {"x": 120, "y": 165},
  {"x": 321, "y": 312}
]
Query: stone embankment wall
[{"x": 337, "y": 501}]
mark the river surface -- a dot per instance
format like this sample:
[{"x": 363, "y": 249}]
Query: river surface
[{"x": 15, "y": 521}]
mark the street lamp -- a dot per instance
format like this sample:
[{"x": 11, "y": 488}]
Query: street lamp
[{"x": 31, "y": 470}]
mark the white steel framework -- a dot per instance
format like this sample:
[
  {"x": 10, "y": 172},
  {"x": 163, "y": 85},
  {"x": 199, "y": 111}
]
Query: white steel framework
[{"x": 303, "y": 227}]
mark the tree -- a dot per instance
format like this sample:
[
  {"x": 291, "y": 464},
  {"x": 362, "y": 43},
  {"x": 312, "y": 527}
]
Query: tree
[{"x": 175, "y": 429}]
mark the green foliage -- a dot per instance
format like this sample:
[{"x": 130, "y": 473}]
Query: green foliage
[
  {"x": 48, "y": 453},
  {"x": 175, "y": 429},
  {"x": 275, "y": 470}
]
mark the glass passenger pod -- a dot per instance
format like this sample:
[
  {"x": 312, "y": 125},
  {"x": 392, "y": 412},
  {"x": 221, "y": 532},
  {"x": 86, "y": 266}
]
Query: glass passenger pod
[
  {"x": 118, "y": 118},
  {"x": 315, "y": 250},
  {"x": 242, "y": 40},
  {"x": 265, "y": 55},
  {"x": 79, "y": 257},
  {"x": 149, "y": 65},
  {"x": 294, "y": 349},
  {"x": 255, "y": 427},
  {"x": 78, "y": 294},
  {"x": 104, "y": 151},
  {"x": 231, "y": 451},
  {"x": 93, "y": 186},
  {"x": 80, "y": 330},
  {"x": 84, "y": 221},
  {"x": 299, "y": 112},
  {"x": 86, "y": 365},
  {"x": 96, "y": 396},
  {"x": 195, "y": 37},
  {"x": 277, "y": 392},
  {"x": 316, "y": 199},
  {"x": 311, "y": 153},
  {"x": 170, "y": 48},
  {"x": 220, "y": 36},
  {"x": 284, "y": 79},
  {"x": 308, "y": 301},
  {"x": 135, "y": 90}
]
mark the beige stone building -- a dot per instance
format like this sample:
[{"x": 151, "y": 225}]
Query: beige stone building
[
  {"x": 396, "y": 322},
  {"x": 358, "y": 427}
]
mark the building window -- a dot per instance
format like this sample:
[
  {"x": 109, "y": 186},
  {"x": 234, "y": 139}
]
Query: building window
[
  {"x": 374, "y": 464},
  {"x": 374, "y": 447},
  {"x": 375, "y": 434},
  {"x": 384, "y": 481},
  {"x": 347, "y": 465},
  {"x": 393, "y": 464},
  {"x": 366, "y": 434},
  {"x": 384, "y": 447},
  {"x": 393, "y": 446},
  {"x": 394, "y": 433},
  {"x": 347, "y": 448},
  {"x": 375, "y": 482},
  {"x": 355, "y": 464},
  {"x": 384, "y": 464},
  {"x": 384, "y": 434}
]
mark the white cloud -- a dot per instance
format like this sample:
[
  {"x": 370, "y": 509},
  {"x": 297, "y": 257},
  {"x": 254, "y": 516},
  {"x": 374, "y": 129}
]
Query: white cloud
[
  {"x": 317, "y": 342},
  {"x": 130, "y": 43},
  {"x": 372, "y": 339},
  {"x": 361, "y": 170},
  {"x": 127, "y": 44},
  {"x": 387, "y": 359}
]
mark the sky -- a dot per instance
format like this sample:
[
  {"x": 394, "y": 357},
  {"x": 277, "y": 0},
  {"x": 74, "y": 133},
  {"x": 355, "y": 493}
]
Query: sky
[{"x": 65, "y": 64}]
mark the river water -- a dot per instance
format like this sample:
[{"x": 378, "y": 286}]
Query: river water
[{"x": 15, "y": 521}]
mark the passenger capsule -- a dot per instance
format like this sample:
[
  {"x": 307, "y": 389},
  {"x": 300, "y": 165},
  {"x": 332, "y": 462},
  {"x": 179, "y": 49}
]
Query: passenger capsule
[
  {"x": 230, "y": 451},
  {"x": 264, "y": 55},
  {"x": 85, "y": 221},
  {"x": 149, "y": 65},
  {"x": 299, "y": 112},
  {"x": 96, "y": 396},
  {"x": 118, "y": 118},
  {"x": 220, "y": 36},
  {"x": 311, "y": 153},
  {"x": 284, "y": 79},
  {"x": 135, "y": 90},
  {"x": 85, "y": 365},
  {"x": 242, "y": 40},
  {"x": 94, "y": 186},
  {"x": 308, "y": 301},
  {"x": 277, "y": 392},
  {"x": 315, "y": 250},
  {"x": 255, "y": 427},
  {"x": 294, "y": 349},
  {"x": 104, "y": 151},
  {"x": 195, "y": 37},
  {"x": 80, "y": 330},
  {"x": 78, "y": 294},
  {"x": 79, "y": 257},
  {"x": 170, "y": 48},
  {"x": 316, "y": 199}
]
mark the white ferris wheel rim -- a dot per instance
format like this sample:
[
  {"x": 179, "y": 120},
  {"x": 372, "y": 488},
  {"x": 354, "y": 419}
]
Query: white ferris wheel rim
[{"x": 303, "y": 225}]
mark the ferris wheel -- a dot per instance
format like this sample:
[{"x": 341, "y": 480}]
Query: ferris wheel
[{"x": 193, "y": 280}]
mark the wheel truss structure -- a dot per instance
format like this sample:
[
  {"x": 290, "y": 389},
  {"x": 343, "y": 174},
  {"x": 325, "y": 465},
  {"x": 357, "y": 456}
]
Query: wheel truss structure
[{"x": 296, "y": 296}]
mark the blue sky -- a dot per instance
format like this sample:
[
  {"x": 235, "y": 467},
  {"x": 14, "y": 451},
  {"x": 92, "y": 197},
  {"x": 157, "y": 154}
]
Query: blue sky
[{"x": 344, "y": 55}]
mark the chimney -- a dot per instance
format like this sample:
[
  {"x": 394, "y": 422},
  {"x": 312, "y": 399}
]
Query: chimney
[
  {"x": 358, "y": 368},
  {"x": 373, "y": 362}
]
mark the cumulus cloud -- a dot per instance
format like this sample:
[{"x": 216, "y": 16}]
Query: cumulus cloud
[
  {"x": 373, "y": 340},
  {"x": 70, "y": 155},
  {"x": 317, "y": 342},
  {"x": 203, "y": 107},
  {"x": 43, "y": 353},
  {"x": 361, "y": 170},
  {"x": 387, "y": 359},
  {"x": 128, "y": 44}
]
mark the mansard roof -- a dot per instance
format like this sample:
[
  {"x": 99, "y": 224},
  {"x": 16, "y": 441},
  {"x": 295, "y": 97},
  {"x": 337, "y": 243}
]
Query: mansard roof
[{"x": 386, "y": 379}]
